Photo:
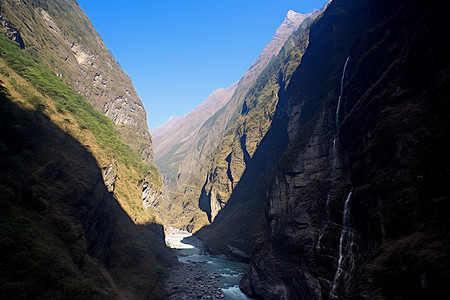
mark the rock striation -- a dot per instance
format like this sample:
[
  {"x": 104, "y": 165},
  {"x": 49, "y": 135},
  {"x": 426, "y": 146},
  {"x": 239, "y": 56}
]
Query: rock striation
[
  {"x": 60, "y": 36},
  {"x": 109, "y": 175},
  {"x": 353, "y": 206},
  {"x": 210, "y": 168},
  {"x": 208, "y": 122},
  {"x": 78, "y": 55}
]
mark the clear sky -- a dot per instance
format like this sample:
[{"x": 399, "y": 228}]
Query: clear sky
[{"x": 177, "y": 52}]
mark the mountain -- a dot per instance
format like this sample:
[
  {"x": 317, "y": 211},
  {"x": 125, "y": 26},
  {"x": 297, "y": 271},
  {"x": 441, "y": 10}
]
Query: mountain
[
  {"x": 62, "y": 37},
  {"x": 181, "y": 145},
  {"x": 345, "y": 196},
  {"x": 63, "y": 233},
  {"x": 325, "y": 169},
  {"x": 77, "y": 196},
  {"x": 173, "y": 138},
  {"x": 212, "y": 166}
]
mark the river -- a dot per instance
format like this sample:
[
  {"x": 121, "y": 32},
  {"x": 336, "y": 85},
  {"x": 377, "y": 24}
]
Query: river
[{"x": 201, "y": 276}]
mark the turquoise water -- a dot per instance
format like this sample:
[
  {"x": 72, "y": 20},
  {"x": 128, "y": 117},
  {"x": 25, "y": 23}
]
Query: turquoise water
[{"x": 230, "y": 271}]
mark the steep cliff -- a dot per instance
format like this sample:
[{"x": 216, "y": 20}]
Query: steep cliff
[
  {"x": 189, "y": 152},
  {"x": 248, "y": 127},
  {"x": 63, "y": 234},
  {"x": 72, "y": 190},
  {"x": 355, "y": 204},
  {"x": 214, "y": 166},
  {"x": 60, "y": 34},
  {"x": 173, "y": 139}
]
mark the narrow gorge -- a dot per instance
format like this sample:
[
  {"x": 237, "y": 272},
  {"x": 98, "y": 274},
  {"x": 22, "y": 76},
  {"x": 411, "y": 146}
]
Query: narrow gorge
[
  {"x": 320, "y": 174},
  {"x": 318, "y": 181}
]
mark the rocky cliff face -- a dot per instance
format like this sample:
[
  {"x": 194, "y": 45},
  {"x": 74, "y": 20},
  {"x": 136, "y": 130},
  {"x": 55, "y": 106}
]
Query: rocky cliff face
[
  {"x": 356, "y": 208},
  {"x": 225, "y": 141},
  {"x": 290, "y": 24},
  {"x": 10, "y": 31},
  {"x": 189, "y": 152},
  {"x": 62, "y": 37},
  {"x": 250, "y": 124},
  {"x": 354, "y": 205},
  {"x": 234, "y": 152}
]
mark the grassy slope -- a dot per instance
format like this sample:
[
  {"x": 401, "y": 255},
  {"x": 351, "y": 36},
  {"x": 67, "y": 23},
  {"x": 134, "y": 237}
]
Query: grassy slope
[
  {"x": 41, "y": 89},
  {"x": 54, "y": 204},
  {"x": 57, "y": 42}
]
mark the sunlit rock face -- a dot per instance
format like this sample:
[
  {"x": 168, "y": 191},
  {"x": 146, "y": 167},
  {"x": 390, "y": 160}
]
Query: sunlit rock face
[
  {"x": 78, "y": 55},
  {"x": 182, "y": 144},
  {"x": 356, "y": 205},
  {"x": 203, "y": 155}
]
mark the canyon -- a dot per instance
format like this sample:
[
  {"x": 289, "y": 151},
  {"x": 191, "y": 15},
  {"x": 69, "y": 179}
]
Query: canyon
[{"x": 321, "y": 173}]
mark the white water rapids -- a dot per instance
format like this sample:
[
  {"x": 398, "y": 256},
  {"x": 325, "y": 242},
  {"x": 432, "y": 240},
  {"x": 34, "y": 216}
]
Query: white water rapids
[{"x": 230, "y": 271}]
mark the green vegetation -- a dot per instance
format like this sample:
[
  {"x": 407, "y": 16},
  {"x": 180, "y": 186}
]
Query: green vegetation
[
  {"x": 68, "y": 101},
  {"x": 57, "y": 219},
  {"x": 49, "y": 94},
  {"x": 65, "y": 13},
  {"x": 60, "y": 37},
  {"x": 226, "y": 163}
]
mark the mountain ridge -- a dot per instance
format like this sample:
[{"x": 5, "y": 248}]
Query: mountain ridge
[
  {"x": 225, "y": 142},
  {"x": 191, "y": 153},
  {"x": 64, "y": 227},
  {"x": 334, "y": 202},
  {"x": 62, "y": 37}
]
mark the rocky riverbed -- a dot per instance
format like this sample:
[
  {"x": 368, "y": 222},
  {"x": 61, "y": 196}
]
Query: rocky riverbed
[
  {"x": 192, "y": 281},
  {"x": 199, "y": 276}
]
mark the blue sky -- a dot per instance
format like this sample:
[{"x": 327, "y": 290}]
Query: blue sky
[{"x": 177, "y": 52}]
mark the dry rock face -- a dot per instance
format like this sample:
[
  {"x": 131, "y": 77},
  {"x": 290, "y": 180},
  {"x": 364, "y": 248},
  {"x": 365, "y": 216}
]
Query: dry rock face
[
  {"x": 150, "y": 194},
  {"x": 10, "y": 31},
  {"x": 81, "y": 59},
  {"x": 211, "y": 167},
  {"x": 349, "y": 209},
  {"x": 193, "y": 136},
  {"x": 109, "y": 175}
]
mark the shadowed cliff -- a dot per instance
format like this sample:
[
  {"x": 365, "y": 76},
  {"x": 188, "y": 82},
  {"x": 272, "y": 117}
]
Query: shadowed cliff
[
  {"x": 63, "y": 235},
  {"x": 356, "y": 205}
]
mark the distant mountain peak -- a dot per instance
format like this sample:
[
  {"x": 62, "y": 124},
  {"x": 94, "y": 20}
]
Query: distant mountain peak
[
  {"x": 291, "y": 23},
  {"x": 181, "y": 144},
  {"x": 293, "y": 15}
]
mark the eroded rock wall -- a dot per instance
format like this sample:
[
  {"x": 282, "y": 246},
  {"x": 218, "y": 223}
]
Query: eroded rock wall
[
  {"x": 62, "y": 37},
  {"x": 387, "y": 237}
]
